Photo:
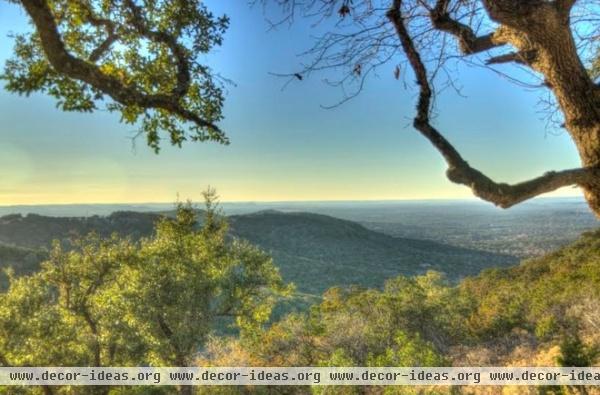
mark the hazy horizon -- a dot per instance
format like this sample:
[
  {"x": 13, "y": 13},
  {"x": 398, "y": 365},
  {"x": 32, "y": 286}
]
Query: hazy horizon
[{"x": 318, "y": 206}]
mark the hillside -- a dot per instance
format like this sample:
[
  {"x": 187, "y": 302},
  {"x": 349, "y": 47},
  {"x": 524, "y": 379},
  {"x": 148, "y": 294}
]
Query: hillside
[
  {"x": 530, "y": 229},
  {"x": 317, "y": 251},
  {"x": 543, "y": 312},
  {"x": 314, "y": 251},
  {"x": 36, "y": 231},
  {"x": 24, "y": 260}
]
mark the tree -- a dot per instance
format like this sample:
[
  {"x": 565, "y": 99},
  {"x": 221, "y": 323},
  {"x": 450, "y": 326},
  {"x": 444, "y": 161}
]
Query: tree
[
  {"x": 143, "y": 57},
  {"x": 574, "y": 353},
  {"x": 553, "y": 41},
  {"x": 118, "y": 303}
]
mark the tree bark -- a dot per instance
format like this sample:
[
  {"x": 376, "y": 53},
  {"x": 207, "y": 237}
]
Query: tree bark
[
  {"x": 459, "y": 170},
  {"x": 546, "y": 32}
]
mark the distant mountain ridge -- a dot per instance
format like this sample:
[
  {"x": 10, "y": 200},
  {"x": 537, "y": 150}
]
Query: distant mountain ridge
[
  {"x": 35, "y": 231},
  {"x": 312, "y": 250}
]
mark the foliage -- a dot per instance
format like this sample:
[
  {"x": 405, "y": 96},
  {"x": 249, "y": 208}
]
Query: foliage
[
  {"x": 143, "y": 58},
  {"x": 573, "y": 352},
  {"x": 19, "y": 261},
  {"x": 114, "y": 302},
  {"x": 538, "y": 294},
  {"x": 513, "y": 317},
  {"x": 356, "y": 327},
  {"x": 301, "y": 244},
  {"x": 540, "y": 312}
]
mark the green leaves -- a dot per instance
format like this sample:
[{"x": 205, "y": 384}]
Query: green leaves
[
  {"x": 143, "y": 59},
  {"x": 573, "y": 352},
  {"x": 408, "y": 350},
  {"x": 113, "y": 302}
]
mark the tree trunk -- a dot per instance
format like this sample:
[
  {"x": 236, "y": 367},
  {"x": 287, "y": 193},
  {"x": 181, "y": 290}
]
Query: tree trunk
[
  {"x": 181, "y": 361},
  {"x": 546, "y": 33}
]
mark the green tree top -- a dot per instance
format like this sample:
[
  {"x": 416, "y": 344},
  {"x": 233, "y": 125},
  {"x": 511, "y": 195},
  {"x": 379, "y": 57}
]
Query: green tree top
[
  {"x": 143, "y": 57},
  {"x": 119, "y": 303}
]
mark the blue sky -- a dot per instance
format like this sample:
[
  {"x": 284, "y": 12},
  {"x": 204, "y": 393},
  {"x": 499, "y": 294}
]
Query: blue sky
[{"x": 284, "y": 145}]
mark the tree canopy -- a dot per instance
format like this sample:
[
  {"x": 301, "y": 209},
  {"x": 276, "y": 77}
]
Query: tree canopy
[
  {"x": 115, "y": 302},
  {"x": 142, "y": 59}
]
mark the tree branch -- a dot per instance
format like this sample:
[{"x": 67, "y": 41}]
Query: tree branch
[
  {"x": 94, "y": 329},
  {"x": 565, "y": 6},
  {"x": 522, "y": 57},
  {"x": 64, "y": 62},
  {"x": 107, "y": 24},
  {"x": 103, "y": 48},
  {"x": 164, "y": 327},
  {"x": 468, "y": 41},
  {"x": 459, "y": 171},
  {"x": 183, "y": 70}
]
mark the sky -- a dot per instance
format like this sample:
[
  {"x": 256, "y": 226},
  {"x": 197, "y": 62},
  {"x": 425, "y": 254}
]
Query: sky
[{"x": 284, "y": 145}]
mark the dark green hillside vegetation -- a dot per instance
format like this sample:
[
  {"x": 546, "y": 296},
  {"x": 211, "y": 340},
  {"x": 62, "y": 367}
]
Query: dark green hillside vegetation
[
  {"x": 36, "y": 231},
  {"x": 314, "y": 251},
  {"x": 543, "y": 312},
  {"x": 20, "y": 260},
  {"x": 317, "y": 251},
  {"x": 558, "y": 293}
]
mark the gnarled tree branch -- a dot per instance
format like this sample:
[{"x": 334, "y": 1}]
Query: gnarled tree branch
[
  {"x": 108, "y": 26},
  {"x": 522, "y": 57},
  {"x": 65, "y": 63},
  {"x": 183, "y": 70},
  {"x": 468, "y": 41},
  {"x": 103, "y": 47},
  {"x": 459, "y": 171}
]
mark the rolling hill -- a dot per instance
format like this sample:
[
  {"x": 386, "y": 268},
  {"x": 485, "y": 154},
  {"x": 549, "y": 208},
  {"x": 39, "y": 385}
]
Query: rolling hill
[
  {"x": 312, "y": 250},
  {"x": 317, "y": 251}
]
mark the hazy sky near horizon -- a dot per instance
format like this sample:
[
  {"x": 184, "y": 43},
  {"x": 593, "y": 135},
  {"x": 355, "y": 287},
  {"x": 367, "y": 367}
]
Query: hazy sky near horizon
[{"x": 284, "y": 145}]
